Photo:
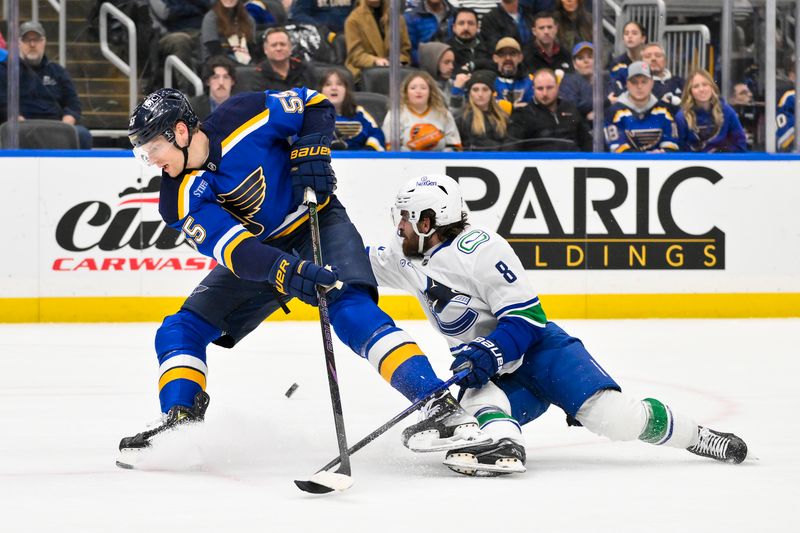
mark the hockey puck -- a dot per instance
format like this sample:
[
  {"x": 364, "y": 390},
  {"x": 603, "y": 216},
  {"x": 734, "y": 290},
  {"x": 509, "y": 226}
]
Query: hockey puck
[{"x": 291, "y": 390}]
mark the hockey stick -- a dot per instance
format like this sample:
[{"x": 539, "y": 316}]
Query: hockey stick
[
  {"x": 388, "y": 425},
  {"x": 323, "y": 482}
]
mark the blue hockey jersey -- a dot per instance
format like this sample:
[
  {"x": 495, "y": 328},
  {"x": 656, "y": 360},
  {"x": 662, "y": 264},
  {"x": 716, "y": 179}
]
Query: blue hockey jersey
[
  {"x": 641, "y": 130},
  {"x": 360, "y": 132},
  {"x": 243, "y": 193},
  {"x": 707, "y": 137},
  {"x": 785, "y": 120}
]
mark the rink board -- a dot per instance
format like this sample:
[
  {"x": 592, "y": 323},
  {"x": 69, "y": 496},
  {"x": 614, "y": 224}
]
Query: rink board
[{"x": 602, "y": 236}]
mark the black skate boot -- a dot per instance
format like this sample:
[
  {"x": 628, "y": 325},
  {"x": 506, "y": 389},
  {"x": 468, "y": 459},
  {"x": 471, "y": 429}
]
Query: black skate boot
[
  {"x": 494, "y": 459},
  {"x": 176, "y": 416},
  {"x": 443, "y": 425},
  {"x": 725, "y": 447}
]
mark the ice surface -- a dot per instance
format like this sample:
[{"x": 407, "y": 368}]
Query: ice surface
[{"x": 69, "y": 392}]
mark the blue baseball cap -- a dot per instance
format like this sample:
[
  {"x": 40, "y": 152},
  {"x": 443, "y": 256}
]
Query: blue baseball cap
[{"x": 581, "y": 46}]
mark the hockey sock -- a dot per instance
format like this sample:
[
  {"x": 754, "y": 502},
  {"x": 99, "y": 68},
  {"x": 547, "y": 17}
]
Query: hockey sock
[
  {"x": 371, "y": 333},
  {"x": 665, "y": 427},
  {"x": 181, "y": 346},
  {"x": 490, "y": 405}
]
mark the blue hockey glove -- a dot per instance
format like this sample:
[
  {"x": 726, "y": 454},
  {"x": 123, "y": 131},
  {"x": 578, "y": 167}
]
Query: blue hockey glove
[
  {"x": 299, "y": 279},
  {"x": 310, "y": 157},
  {"x": 484, "y": 357}
]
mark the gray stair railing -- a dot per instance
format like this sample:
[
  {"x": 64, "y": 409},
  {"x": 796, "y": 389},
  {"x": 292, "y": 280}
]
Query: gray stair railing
[
  {"x": 129, "y": 68},
  {"x": 686, "y": 46},
  {"x": 172, "y": 63}
]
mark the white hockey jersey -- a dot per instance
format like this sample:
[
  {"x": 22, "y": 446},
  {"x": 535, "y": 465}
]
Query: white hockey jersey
[{"x": 465, "y": 285}]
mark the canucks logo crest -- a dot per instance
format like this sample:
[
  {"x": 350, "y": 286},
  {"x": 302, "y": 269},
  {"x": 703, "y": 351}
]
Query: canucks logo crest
[
  {"x": 450, "y": 308},
  {"x": 246, "y": 199}
]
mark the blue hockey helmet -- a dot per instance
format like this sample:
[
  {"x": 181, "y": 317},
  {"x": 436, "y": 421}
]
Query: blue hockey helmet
[{"x": 158, "y": 114}]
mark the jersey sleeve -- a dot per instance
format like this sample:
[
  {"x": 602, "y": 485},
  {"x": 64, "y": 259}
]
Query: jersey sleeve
[
  {"x": 785, "y": 121},
  {"x": 387, "y": 265},
  {"x": 669, "y": 135},
  {"x": 616, "y": 138},
  {"x": 299, "y": 112},
  {"x": 215, "y": 233}
]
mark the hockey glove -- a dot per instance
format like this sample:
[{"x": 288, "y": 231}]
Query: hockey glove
[
  {"x": 310, "y": 157},
  {"x": 484, "y": 357},
  {"x": 299, "y": 279}
]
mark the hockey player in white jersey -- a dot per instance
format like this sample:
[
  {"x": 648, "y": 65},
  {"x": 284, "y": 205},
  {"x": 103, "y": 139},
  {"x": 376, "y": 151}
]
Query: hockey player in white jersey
[{"x": 474, "y": 290}]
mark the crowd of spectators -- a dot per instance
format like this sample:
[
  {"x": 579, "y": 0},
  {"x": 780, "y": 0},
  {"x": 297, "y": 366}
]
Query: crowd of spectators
[{"x": 487, "y": 74}]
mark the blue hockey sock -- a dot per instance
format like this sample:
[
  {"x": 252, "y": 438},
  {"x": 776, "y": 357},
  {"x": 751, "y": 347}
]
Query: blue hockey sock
[
  {"x": 371, "y": 333},
  {"x": 181, "y": 347}
]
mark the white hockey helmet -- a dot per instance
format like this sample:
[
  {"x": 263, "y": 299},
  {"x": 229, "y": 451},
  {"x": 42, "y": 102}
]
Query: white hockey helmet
[{"x": 437, "y": 192}]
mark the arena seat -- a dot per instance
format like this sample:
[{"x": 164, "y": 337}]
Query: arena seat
[{"x": 37, "y": 134}]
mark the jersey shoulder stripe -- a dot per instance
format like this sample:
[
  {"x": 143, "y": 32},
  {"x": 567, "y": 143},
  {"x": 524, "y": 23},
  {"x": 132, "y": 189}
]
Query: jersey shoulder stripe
[{"x": 244, "y": 130}]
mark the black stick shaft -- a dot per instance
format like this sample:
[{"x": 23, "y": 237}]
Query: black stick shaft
[
  {"x": 327, "y": 341},
  {"x": 388, "y": 425}
]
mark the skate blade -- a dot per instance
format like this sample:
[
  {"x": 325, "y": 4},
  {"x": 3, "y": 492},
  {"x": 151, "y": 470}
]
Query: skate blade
[
  {"x": 470, "y": 468},
  {"x": 425, "y": 443},
  {"x": 324, "y": 482}
]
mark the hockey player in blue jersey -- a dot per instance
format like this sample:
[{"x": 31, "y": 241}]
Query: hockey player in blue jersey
[
  {"x": 233, "y": 186},
  {"x": 638, "y": 122},
  {"x": 475, "y": 291},
  {"x": 785, "y": 117}
]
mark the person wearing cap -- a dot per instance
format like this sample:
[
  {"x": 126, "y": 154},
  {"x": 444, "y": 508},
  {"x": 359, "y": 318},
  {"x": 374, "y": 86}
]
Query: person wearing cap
[
  {"x": 544, "y": 50},
  {"x": 554, "y": 123},
  {"x": 666, "y": 87},
  {"x": 508, "y": 19},
  {"x": 638, "y": 121},
  {"x": 281, "y": 71},
  {"x": 471, "y": 50},
  {"x": 576, "y": 86},
  {"x": 483, "y": 124},
  {"x": 46, "y": 90},
  {"x": 513, "y": 87}
]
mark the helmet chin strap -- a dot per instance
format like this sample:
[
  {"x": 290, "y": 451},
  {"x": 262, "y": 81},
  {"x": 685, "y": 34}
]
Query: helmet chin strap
[
  {"x": 183, "y": 149},
  {"x": 422, "y": 237}
]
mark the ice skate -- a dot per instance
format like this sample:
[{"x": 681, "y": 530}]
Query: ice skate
[
  {"x": 130, "y": 447},
  {"x": 725, "y": 447},
  {"x": 443, "y": 425},
  {"x": 496, "y": 458}
]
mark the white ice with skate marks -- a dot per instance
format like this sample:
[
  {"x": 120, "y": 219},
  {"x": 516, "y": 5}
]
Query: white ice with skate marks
[{"x": 68, "y": 393}]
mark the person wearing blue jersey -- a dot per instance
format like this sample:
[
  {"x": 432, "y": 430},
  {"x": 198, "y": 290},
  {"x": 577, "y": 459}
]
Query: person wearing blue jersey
[
  {"x": 513, "y": 85},
  {"x": 785, "y": 115},
  {"x": 634, "y": 36},
  {"x": 234, "y": 186},
  {"x": 477, "y": 295},
  {"x": 638, "y": 122},
  {"x": 355, "y": 128},
  {"x": 706, "y": 123}
]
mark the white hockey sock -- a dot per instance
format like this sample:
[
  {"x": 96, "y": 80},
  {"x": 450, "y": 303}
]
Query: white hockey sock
[
  {"x": 621, "y": 417},
  {"x": 491, "y": 407}
]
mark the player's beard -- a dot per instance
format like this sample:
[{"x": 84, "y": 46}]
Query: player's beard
[{"x": 411, "y": 245}]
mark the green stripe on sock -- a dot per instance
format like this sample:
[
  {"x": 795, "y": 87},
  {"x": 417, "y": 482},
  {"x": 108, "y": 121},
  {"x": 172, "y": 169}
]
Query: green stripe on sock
[
  {"x": 657, "y": 421},
  {"x": 485, "y": 418},
  {"x": 535, "y": 313}
]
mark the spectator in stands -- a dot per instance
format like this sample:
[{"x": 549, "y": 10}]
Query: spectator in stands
[
  {"x": 574, "y": 22},
  {"x": 177, "y": 26},
  {"x": 425, "y": 122},
  {"x": 438, "y": 60},
  {"x": 513, "y": 86},
  {"x": 576, "y": 86},
  {"x": 269, "y": 12},
  {"x": 749, "y": 114},
  {"x": 706, "y": 123},
  {"x": 638, "y": 122},
  {"x": 219, "y": 76},
  {"x": 228, "y": 29},
  {"x": 549, "y": 117},
  {"x": 785, "y": 115},
  {"x": 481, "y": 7},
  {"x": 368, "y": 37},
  {"x": 355, "y": 127},
  {"x": 281, "y": 71},
  {"x": 635, "y": 37},
  {"x": 508, "y": 19},
  {"x": 326, "y": 13},
  {"x": 482, "y": 124},
  {"x": 666, "y": 87},
  {"x": 544, "y": 51},
  {"x": 428, "y": 20},
  {"x": 471, "y": 51},
  {"x": 46, "y": 90}
]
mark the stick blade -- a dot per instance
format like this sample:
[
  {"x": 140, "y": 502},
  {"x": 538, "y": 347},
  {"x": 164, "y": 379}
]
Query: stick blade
[{"x": 324, "y": 482}]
